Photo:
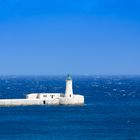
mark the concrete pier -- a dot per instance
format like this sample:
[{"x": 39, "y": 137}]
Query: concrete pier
[{"x": 26, "y": 102}]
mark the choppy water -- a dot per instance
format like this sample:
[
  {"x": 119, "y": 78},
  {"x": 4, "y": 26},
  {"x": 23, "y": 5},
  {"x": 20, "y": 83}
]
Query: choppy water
[{"x": 111, "y": 111}]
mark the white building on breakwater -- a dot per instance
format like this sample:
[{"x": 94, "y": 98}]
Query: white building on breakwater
[{"x": 48, "y": 98}]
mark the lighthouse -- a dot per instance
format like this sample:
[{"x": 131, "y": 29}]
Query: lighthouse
[
  {"x": 48, "y": 98},
  {"x": 69, "y": 90}
]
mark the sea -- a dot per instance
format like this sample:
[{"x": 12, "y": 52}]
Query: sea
[{"x": 111, "y": 110}]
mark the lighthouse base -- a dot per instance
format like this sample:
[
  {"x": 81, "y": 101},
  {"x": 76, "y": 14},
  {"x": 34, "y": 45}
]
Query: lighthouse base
[{"x": 75, "y": 100}]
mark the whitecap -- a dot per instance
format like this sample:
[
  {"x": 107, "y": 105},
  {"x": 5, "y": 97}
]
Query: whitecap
[
  {"x": 114, "y": 89},
  {"x": 124, "y": 95}
]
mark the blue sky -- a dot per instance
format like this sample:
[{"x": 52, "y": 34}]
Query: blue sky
[{"x": 40, "y": 37}]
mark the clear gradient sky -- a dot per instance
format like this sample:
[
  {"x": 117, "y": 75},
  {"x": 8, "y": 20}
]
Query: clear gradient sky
[{"x": 42, "y": 37}]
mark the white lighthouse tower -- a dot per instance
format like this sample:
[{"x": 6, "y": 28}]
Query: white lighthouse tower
[{"x": 69, "y": 89}]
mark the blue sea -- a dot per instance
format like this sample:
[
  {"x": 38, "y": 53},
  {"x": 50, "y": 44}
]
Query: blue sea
[{"x": 111, "y": 110}]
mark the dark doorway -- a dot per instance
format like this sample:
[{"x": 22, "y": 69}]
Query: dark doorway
[{"x": 44, "y": 102}]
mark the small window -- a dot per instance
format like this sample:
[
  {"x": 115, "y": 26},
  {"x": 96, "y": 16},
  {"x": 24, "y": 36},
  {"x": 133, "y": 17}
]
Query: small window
[
  {"x": 61, "y": 95},
  {"x": 70, "y": 95},
  {"x": 44, "y": 95},
  {"x": 37, "y": 96},
  {"x": 52, "y": 96}
]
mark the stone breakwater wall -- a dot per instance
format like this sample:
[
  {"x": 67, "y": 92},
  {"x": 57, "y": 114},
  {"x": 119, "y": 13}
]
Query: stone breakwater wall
[
  {"x": 20, "y": 102},
  {"x": 75, "y": 100}
]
